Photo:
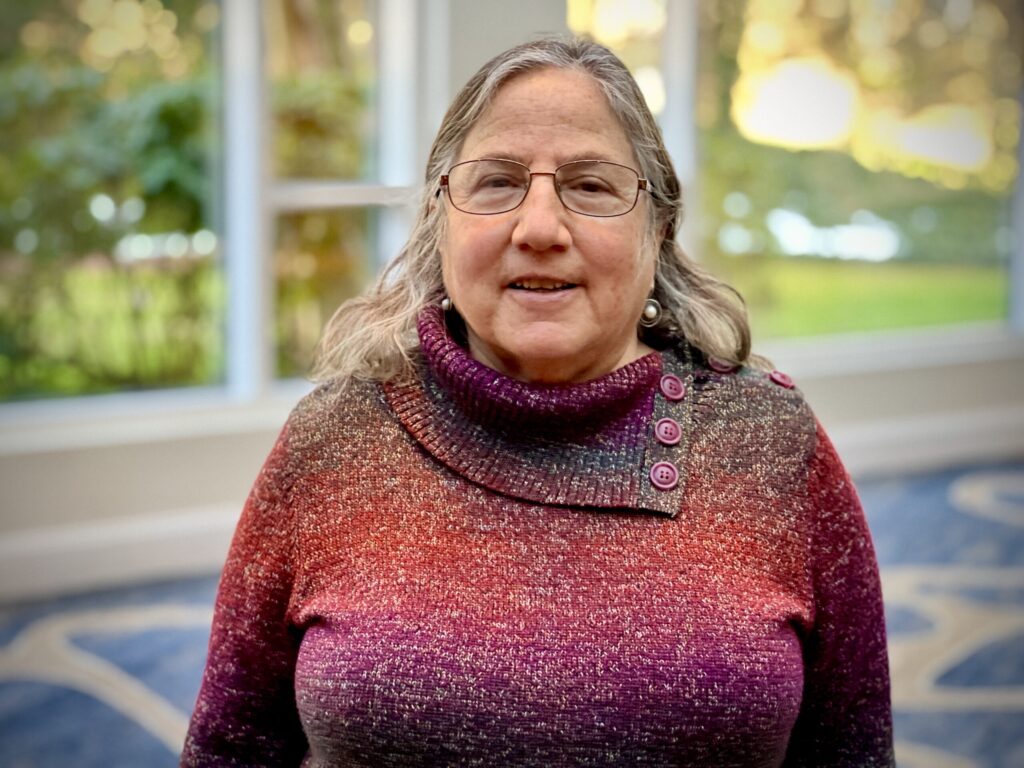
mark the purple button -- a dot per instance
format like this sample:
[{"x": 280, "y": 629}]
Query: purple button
[
  {"x": 664, "y": 476},
  {"x": 668, "y": 432},
  {"x": 720, "y": 365},
  {"x": 672, "y": 387},
  {"x": 781, "y": 379}
]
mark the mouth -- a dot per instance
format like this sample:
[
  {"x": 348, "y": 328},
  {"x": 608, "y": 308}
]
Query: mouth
[{"x": 541, "y": 285}]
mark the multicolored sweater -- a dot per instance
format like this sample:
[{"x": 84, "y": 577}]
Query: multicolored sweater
[{"x": 667, "y": 565}]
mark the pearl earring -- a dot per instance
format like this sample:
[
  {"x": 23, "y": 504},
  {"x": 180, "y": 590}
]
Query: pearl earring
[
  {"x": 446, "y": 304},
  {"x": 651, "y": 314}
]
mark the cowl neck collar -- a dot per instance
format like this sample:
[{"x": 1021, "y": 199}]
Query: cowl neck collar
[
  {"x": 490, "y": 397},
  {"x": 588, "y": 444}
]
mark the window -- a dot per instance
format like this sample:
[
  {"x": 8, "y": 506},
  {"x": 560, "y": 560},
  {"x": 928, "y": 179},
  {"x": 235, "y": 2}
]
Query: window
[
  {"x": 129, "y": 152},
  {"x": 340, "y": 88},
  {"x": 110, "y": 261},
  {"x": 849, "y": 166},
  {"x": 857, "y": 161},
  {"x": 321, "y": 65}
]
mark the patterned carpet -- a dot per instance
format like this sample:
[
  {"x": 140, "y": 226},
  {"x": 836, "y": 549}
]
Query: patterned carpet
[{"x": 107, "y": 680}]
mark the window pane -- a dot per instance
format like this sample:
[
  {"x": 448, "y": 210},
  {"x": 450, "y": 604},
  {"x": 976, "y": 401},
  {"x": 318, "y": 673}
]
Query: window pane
[
  {"x": 322, "y": 66},
  {"x": 858, "y": 160},
  {"x": 321, "y": 258},
  {"x": 109, "y": 261}
]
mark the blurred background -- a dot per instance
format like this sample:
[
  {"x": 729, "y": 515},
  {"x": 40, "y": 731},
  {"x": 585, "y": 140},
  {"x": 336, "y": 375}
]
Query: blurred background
[{"x": 189, "y": 188}]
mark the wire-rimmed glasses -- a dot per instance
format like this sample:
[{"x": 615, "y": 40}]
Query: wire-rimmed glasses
[{"x": 590, "y": 187}]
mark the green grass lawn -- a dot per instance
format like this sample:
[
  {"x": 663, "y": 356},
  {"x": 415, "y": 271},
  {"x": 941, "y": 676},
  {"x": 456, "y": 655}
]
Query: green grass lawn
[
  {"x": 92, "y": 328},
  {"x": 805, "y": 297}
]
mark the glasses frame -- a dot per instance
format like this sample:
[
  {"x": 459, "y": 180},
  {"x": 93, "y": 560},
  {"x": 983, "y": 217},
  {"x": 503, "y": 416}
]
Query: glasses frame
[{"x": 642, "y": 184}]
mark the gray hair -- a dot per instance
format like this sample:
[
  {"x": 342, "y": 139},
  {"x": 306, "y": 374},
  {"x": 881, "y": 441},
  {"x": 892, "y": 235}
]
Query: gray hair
[{"x": 373, "y": 336}]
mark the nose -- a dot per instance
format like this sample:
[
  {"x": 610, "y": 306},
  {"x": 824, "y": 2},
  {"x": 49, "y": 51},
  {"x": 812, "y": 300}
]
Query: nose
[{"x": 541, "y": 219}]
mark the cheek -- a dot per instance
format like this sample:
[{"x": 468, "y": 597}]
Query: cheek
[
  {"x": 470, "y": 250},
  {"x": 626, "y": 264},
  {"x": 453, "y": 254}
]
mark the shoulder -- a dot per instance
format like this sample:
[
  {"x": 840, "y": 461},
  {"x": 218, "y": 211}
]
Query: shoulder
[
  {"x": 759, "y": 391},
  {"x": 335, "y": 412},
  {"x": 336, "y": 397},
  {"x": 743, "y": 413},
  {"x": 744, "y": 391}
]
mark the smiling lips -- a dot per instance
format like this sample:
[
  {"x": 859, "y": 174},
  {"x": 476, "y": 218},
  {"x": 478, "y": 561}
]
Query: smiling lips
[{"x": 540, "y": 285}]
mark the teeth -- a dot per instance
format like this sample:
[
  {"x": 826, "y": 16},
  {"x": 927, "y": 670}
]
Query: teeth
[{"x": 541, "y": 285}]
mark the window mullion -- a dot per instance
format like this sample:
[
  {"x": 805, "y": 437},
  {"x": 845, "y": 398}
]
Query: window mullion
[
  {"x": 680, "y": 55},
  {"x": 398, "y": 107},
  {"x": 246, "y": 255},
  {"x": 1017, "y": 255}
]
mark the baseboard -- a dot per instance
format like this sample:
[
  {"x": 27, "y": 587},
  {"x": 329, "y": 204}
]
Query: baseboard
[
  {"x": 76, "y": 558},
  {"x": 923, "y": 443},
  {"x": 45, "y": 562}
]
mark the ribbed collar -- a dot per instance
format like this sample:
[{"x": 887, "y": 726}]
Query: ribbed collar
[
  {"x": 587, "y": 444},
  {"x": 495, "y": 399}
]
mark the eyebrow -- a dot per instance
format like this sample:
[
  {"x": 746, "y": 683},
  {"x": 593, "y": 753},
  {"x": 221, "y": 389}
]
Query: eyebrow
[{"x": 574, "y": 157}]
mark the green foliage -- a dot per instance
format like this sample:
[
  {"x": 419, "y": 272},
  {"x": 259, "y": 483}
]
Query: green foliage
[
  {"x": 75, "y": 315},
  {"x": 322, "y": 126},
  {"x": 951, "y": 265},
  {"x": 97, "y": 328},
  {"x": 67, "y": 144},
  {"x": 322, "y": 260},
  {"x": 73, "y": 318},
  {"x": 830, "y": 187}
]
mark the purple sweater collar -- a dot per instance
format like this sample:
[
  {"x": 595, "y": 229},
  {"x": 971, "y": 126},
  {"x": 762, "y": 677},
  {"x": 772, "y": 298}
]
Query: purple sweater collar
[
  {"x": 490, "y": 397},
  {"x": 589, "y": 445}
]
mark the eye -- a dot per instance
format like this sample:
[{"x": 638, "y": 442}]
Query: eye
[
  {"x": 497, "y": 181},
  {"x": 588, "y": 185}
]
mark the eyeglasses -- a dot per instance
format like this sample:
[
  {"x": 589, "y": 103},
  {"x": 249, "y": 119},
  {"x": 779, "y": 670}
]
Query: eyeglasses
[{"x": 590, "y": 187}]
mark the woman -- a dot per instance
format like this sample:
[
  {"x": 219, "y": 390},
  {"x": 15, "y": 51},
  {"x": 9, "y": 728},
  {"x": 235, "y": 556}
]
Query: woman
[{"x": 540, "y": 512}]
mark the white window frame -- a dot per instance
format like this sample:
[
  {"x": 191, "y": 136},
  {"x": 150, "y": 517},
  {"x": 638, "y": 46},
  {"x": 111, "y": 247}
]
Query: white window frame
[{"x": 251, "y": 396}]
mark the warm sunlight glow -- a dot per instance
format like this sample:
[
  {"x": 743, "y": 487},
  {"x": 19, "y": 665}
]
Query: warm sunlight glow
[
  {"x": 804, "y": 103},
  {"x": 794, "y": 89},
  {"x": 614, "y": 21},
  {"x": 653, "y": 88},
  {"x": 360, "y": 32},
  {"x": 951, "y": 135}
]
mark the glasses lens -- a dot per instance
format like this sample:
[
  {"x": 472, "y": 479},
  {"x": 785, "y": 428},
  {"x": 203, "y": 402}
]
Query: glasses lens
[
  {"x": 487, "y": 186},
  {"x": 596, "y": 188}
]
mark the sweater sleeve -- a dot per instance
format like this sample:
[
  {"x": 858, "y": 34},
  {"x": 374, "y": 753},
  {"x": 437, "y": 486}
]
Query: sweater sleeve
[
  {"x": 245, "y": 714},
  {"x": 845, "y": 716}
]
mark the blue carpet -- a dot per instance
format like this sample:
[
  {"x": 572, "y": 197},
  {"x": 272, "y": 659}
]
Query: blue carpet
[
  {"x": 43, "y": 726},
  {"x": 107, "y": 679}
]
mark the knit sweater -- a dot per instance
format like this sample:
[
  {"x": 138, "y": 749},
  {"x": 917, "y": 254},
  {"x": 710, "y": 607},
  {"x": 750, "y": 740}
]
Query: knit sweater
[{"x": 667, "y": 565}]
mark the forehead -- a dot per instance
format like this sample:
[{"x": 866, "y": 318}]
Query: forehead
[{"x": 551, "y": 115}]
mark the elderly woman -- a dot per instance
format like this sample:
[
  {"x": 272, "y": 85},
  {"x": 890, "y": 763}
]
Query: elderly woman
[{"x": 543, "y": 510}]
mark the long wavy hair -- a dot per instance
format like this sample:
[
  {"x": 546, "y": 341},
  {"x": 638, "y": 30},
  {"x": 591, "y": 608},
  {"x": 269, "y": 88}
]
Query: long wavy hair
[{"x": 373, "y": 336}]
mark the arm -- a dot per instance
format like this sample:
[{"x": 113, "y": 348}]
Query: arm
[
  {"x": 246, "y": 713},
  {"x": 845, "y": 716}
]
